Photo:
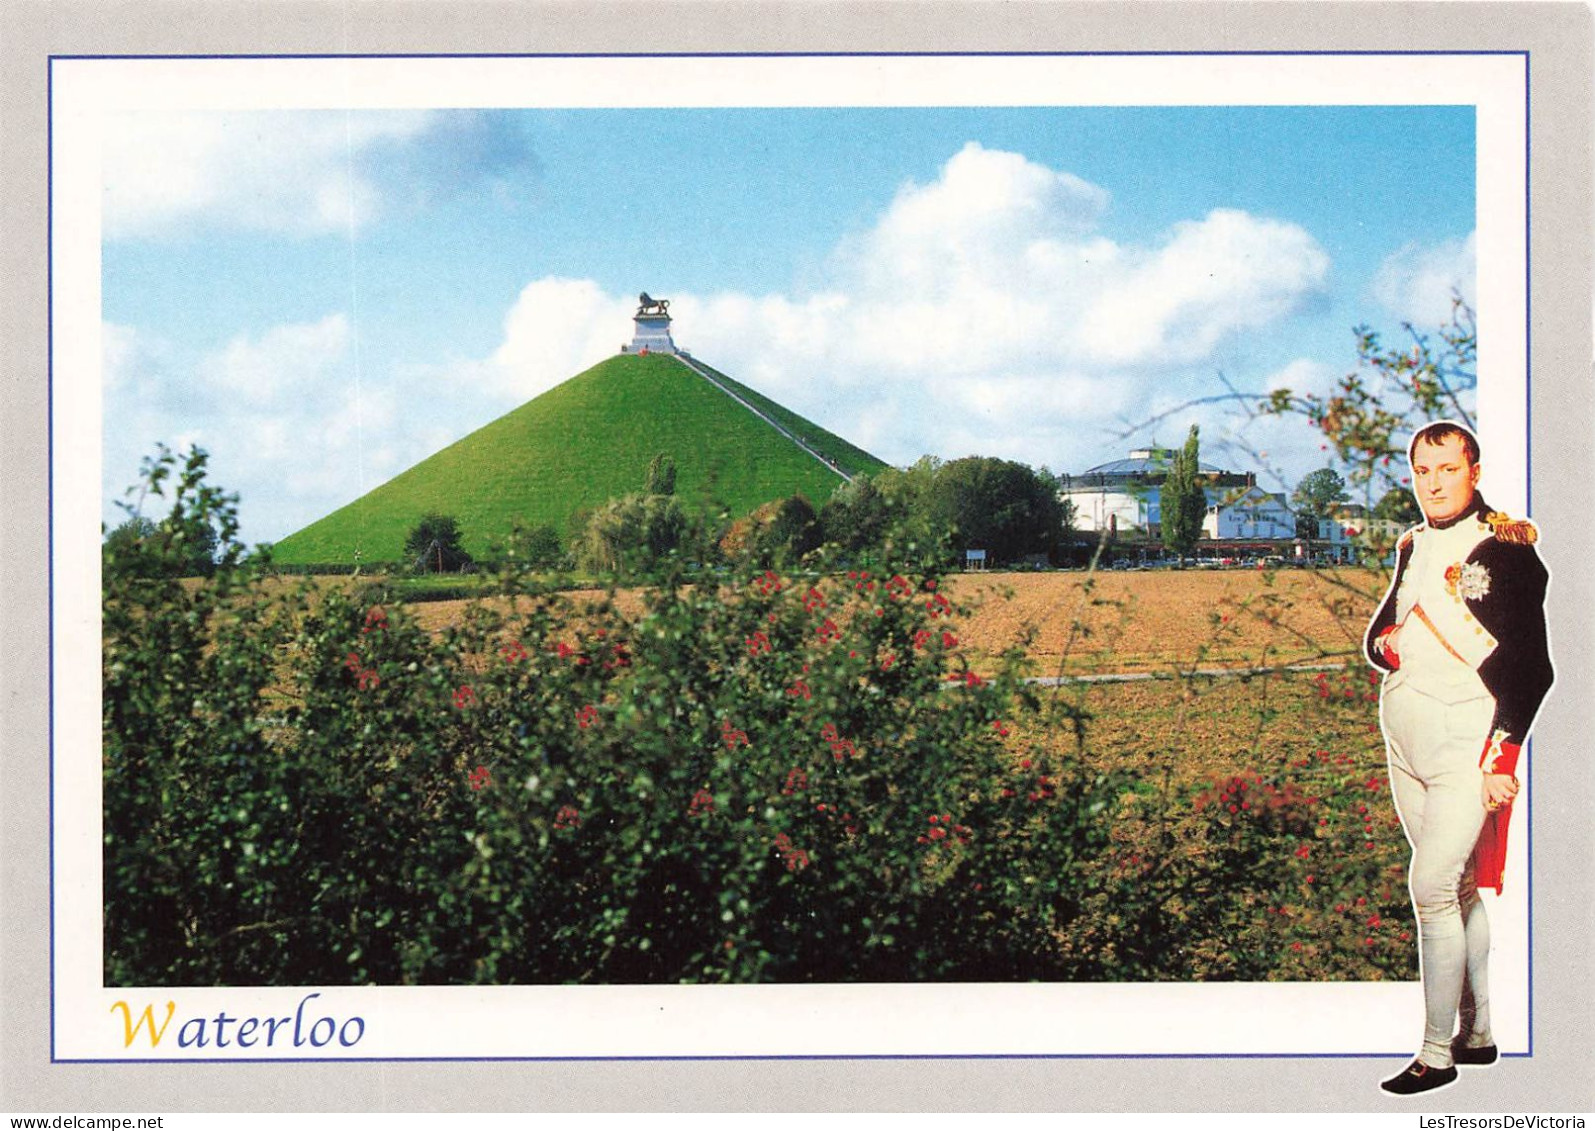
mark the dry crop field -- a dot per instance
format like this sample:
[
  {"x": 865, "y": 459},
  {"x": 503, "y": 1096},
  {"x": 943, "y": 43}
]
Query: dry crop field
[
  {"x": 1169, "y": 620},
  {"x": 1154, "y": 621}
]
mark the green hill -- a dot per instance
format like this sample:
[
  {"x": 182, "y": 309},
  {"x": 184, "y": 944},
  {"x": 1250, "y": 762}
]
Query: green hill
[{"x": 580, "y": 444}]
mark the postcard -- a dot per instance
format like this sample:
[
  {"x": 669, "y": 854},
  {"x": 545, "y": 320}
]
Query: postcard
[{"x": 483, "y": 289}]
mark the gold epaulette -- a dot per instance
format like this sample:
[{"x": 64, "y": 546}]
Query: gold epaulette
[
  {"x": 1404, "y": 541},
  {"x": 1519, "y": 530}
]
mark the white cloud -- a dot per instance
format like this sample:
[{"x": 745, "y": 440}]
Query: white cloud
[
  {"x": 982, "y": 311},
  {"x": 1225, "y": 273},
  {"x": 1303, "y": 375},
  {"x": 557, "y": 328},
  {"x": 299, "y": 173},
  {"x": 283, "y": 365},
  {"x": 1416, "y": 282}
]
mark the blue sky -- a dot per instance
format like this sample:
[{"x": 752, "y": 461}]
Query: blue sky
[{"x": 322, "y": 299}]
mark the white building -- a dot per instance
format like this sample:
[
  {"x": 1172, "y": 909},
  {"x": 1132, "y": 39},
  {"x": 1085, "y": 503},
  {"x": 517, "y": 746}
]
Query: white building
[
  {"x": 1247, "y": 514},
  {"x": 1123, "y": 495},
  {"x": 1352, "y": 526}
]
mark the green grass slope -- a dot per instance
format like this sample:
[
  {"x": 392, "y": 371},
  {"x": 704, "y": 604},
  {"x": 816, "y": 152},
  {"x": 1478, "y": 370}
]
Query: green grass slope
[
  {"x": 851, "y": 459},
  {"x": 581, "y": 443}
]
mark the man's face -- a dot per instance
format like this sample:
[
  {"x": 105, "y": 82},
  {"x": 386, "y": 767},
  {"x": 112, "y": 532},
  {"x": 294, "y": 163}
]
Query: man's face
[{"x": 1443, "y": 478}]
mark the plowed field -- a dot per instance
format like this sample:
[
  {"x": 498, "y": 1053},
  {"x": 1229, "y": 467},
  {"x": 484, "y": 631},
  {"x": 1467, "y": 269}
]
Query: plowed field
[{"x": 1155, "y": 621}]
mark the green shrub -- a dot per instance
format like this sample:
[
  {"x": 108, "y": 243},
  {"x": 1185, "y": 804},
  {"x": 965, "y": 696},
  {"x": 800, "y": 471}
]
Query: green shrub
[{"x": 768, "y": 779}]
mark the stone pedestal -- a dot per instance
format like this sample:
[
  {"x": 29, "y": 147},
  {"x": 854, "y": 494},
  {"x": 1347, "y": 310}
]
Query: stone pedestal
[{"x": 652, "y": 334}]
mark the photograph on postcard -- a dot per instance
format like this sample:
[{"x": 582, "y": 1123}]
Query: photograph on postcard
[{"x": 712, "y": 574}]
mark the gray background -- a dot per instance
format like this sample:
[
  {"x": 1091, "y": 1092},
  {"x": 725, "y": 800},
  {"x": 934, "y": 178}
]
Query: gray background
[{"x": 1556, "y": 1078}]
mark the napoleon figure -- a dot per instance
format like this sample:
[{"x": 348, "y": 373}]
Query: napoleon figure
[{"x": 1461, "y": 637}]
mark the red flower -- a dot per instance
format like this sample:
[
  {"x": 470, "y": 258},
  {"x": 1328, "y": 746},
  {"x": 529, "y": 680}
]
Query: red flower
[
  {"x": 797, "y": 780},
  {"x": 814, "y": 599},
  {"x": 352, "y": 662},
  {"x": 464, "y": 697},
  {"x": 587, "y": 716},
  {"x": 702, "y": 804},
  {"x": 795, "y": 858},
  {"x": 921, "y": 638},
  {"x": 731, "y": 736},
  {"x": 512, "y": 652},
  {"x": 758, "y": 643},
  {"x": 938, "y": 605},
  {"x": 376, "y": 619},
  {"x": 840, "y": 747},
  {"x": 481, "y": 777},
  {"x": 887, "y": 661},
  {"x": 800, "y": 689},
  {"x": 368, "y": 679},
  {"x": 769, "y": 583},
  {"x": 949, "y": 640},
  {"x": 567, "y": 818},
  {"x": 998, "y": 726},
  {"x": 899, "y": 587},
  {"x": 828, "y": 630}
]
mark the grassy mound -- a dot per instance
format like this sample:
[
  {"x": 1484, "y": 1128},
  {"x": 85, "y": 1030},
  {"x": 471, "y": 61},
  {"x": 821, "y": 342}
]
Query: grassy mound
[{"x": 581, "y": 443}]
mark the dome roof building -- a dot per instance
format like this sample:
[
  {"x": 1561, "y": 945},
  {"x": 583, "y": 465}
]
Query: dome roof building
[{"x": 1123, "y": 497}]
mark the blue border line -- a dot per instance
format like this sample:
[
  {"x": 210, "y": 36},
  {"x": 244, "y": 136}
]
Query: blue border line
[
  {"x": 1528, "y": 470},
  {"x": 50, "y": 527},
  {"x": 49, "y": 486}
]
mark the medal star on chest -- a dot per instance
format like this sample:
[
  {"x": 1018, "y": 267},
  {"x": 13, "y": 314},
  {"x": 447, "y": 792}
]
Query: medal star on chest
[{"x": 1467, "y": 581}]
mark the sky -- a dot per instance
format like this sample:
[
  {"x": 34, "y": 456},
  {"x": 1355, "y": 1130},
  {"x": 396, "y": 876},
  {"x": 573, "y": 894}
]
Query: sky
[{"x": 321, "y": 299}]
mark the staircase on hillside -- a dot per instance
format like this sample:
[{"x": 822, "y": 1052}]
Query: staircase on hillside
[{"x": 782, "y": 429}]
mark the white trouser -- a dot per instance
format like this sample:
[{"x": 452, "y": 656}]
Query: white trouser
[{"x": 1434, "y": 750}]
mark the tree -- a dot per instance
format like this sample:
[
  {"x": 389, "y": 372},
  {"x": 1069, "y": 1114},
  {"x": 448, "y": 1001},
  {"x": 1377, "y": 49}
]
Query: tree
[
  {"x": 889, "y": 518},
  {"x": 661, "y": 476},
  {"x": 122, "y": 551},
  {"x": 1181, "y": 500},
  {"x": 186, "y": 543},
  {"x": 538, "y": 547},
  {"x": 434, "y": 545},
  {"x": 856, "y": 516},
  {"x": 999, "y": 506},
  {"x": 631, "y": 533},
  {"x": 774, "y": 535},
  {"x": 1315, "y": 499},
  {"x": 1397, "y": 505}
]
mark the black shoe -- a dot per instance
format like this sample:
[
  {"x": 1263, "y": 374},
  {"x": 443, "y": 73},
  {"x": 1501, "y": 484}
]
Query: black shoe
[
  {"x": 1462, "y": 1054},
  {"x": 1419, "y": 1077}
]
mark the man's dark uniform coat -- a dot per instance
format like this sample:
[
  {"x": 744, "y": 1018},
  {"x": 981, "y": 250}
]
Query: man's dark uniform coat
[{"x": 1495, "y": 624}]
